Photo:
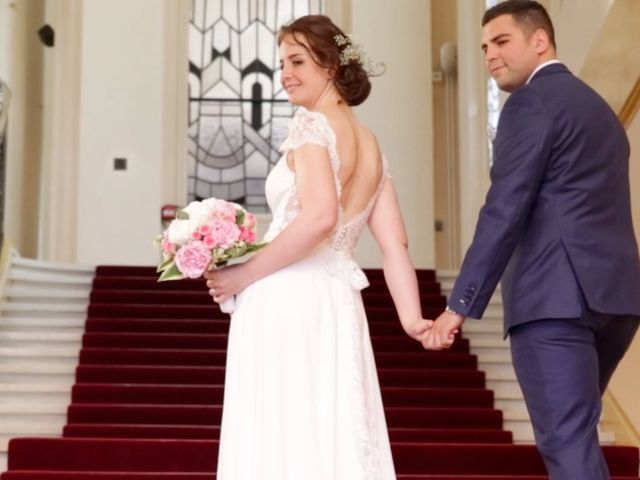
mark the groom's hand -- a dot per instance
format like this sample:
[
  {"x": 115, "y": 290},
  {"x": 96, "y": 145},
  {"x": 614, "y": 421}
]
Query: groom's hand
[{"x": 442, "y": 333}]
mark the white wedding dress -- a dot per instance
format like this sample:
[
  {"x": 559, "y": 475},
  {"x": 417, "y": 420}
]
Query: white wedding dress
[{"x": 302, "y": 399}]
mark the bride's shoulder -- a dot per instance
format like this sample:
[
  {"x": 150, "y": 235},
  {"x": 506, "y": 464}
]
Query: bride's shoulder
[{"x": 307, "y": 127}]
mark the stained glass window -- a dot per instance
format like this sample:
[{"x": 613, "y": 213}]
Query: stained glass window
[{"x": 238, "y": 110}]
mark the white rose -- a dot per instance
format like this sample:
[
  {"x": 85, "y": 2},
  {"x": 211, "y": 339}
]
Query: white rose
[
  {"x": 199, "y": 212},
  {"x": 180, "y": 231},
  {"x": 211, "y": 203}
]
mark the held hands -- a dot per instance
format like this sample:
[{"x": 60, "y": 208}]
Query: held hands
[
  {"x": 417, "y": 328},
  {"x": 224, "y": 283},
  {"x": 442, "y": 334}
]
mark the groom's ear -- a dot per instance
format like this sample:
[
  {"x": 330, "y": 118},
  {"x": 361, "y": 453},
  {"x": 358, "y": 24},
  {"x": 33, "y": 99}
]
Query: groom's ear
[{"x": 541, "y": 40}]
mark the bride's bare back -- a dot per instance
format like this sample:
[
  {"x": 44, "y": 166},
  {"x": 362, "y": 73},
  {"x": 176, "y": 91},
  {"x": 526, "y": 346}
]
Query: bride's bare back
[{"x": 361, "y": 166}]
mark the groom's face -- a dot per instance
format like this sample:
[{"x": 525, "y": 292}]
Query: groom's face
[{"x": 510, "y": 53}]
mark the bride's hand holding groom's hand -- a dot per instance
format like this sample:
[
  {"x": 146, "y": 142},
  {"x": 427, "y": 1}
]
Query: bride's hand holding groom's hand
[
  {"x": 224, "y": 283},
  {"x": 443, "y": 332},
  {"x": 417, "y": 328}
]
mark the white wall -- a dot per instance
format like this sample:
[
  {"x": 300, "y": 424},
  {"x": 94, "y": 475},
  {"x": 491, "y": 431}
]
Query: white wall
[
  {"x": 577, "y": 24},
  {"x": 21, "y": 65},
  {"x": 120, "y": 116},
  {"x": 625, "y": 384},
  {"x": 399, "y": 112}
]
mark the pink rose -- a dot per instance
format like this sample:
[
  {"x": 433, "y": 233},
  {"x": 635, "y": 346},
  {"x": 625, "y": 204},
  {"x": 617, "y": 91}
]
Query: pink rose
[
  {"x": 204, "y": 230},
  {"x": 225, "y": 211},
  {"x": 193, "y": 259},
  {"x": 247, "y": 235},
  {"x": 226, "y": 233},
  {"x": 209, "y": 241},
  {"x": 168, "y": 247}
]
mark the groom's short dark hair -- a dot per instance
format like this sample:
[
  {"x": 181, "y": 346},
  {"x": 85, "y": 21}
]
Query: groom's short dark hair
[{"x": 529, "y": 14}]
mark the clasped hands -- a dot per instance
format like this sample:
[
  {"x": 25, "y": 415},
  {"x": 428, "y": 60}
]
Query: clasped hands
[{"x": 437, "y": 334}]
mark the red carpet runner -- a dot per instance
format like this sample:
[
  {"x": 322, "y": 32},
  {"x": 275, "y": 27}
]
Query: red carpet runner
[{"x": 148, "y": 394}]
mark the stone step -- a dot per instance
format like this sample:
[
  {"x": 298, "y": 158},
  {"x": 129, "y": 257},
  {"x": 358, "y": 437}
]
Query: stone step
[
  {"x": 12, "y": 393},
  {"x": 33, "y": 324},
  {"x": 55, "y": 310},
  {"x": 20, "y": 373},
  {"x": 486, "y": 325},
  {"x": 28, "y": 429},
  {"x": 38, "y": 269},
  {"x": 43, "y": 352},
  {"x": 36, "y": 295},
  {"x": 35, "y": 338},
  {"x": 36, "y": 413},
  {"x": 503, "y": 371}
]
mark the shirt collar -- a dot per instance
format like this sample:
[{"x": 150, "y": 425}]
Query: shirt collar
[{"x": 541, "y": 66}]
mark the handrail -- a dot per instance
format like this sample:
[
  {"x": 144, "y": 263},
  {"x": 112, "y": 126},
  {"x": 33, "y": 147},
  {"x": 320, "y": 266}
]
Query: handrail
[
  {"x": 631, "y": 105},
  {"x": 5, "y": 100}
]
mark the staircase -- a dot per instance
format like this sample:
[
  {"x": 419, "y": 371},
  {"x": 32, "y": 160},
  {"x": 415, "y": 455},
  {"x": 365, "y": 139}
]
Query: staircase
[
  {"x": 147, "y": 399},
  {"x": 42, "y": 318}
]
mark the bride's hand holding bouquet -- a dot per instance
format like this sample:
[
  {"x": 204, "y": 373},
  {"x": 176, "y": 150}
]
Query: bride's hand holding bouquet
[{"x": 204, "y": 236}]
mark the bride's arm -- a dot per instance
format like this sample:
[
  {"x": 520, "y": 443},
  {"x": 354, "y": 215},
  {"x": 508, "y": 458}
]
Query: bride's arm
[
  {"x": 387, "y": 226},
  {"x": 319, "y": 201}
]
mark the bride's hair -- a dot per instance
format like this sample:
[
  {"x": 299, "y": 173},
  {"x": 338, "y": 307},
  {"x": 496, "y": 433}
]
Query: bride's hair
[{"x": 330, "y": 48}]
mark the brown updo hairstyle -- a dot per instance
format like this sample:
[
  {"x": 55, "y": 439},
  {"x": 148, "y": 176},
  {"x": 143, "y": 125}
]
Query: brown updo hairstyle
[{"x": 351, "y": 81}]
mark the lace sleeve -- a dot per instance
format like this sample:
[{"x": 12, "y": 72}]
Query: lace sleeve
[
  {"x": 306, "y": 127},
  {"x": 313, "y": 127}
]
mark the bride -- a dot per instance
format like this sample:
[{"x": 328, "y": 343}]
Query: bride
[{"x": 302, "y": 398}]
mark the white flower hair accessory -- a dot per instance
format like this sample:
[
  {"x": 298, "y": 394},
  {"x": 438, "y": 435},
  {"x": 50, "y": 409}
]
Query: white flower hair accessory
[{"x": 351, "y": 52}]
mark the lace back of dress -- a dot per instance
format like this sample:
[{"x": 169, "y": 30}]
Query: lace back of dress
[
  {"x": 313, "y": 127},
  {"x": 347, "y": 233}
]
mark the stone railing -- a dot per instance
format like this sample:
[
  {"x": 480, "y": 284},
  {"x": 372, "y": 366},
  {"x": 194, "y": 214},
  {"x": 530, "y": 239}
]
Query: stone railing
[{"x": 5, "y": 99}]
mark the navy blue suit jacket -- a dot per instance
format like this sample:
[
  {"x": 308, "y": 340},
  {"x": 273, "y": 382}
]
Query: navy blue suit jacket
[{"x": 556, "y": 224}]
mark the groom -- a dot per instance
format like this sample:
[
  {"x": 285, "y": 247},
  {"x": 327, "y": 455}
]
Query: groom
[{"x": 556, "y": 226}]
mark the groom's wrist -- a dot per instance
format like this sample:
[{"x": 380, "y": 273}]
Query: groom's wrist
[{"x": 451, "y": 311}]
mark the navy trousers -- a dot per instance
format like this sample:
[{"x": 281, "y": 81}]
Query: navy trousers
[{"x": 563, "y": 367}]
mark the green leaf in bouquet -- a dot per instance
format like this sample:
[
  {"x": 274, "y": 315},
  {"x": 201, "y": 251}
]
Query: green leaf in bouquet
[
  {"x": 255, "y": 247},
  {"x": 165, "y": 264},
  {"x": 182, "y": 215},
  {"x": 240, "y": 217},
  {"x": 171, "y": 273}
]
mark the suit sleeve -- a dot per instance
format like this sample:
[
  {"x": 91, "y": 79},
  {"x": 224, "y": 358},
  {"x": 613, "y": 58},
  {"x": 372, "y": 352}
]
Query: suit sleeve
[{"x": 521, "y": 153}]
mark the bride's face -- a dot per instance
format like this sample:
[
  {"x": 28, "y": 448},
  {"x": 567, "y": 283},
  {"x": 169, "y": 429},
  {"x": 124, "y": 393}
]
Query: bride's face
[{"x": 302, "y": 78}]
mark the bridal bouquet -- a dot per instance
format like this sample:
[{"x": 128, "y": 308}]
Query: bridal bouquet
[{"x": 205, "y": 235}]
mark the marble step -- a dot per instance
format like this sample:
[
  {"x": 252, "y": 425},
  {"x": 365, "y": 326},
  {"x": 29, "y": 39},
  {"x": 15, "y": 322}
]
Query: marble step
[
  {"x": 25, "y": 373},
  {"x": 34, "y": 393},
  {"x": 34, "y": 324},
  {"x": 35, "y": 355},
  {"x": 19, "y": 338},
  {"x": 36, "y": 413},
  {"x": 35, "y": 295},
  {"x": 22, "y": 309},
  {"x": 39, "y": 270}
]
